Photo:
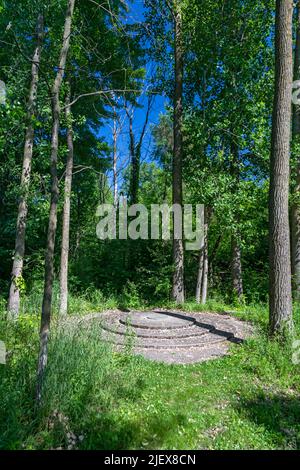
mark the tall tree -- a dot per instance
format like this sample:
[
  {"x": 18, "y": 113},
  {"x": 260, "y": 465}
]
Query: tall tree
[
  {"x": 280, "y": 264},
  {"x": 49, "y": 260},
  {"x": 178, "y": 245},
  {"x": 295, "y": 209},
  {"x": 236, "y": 266},
  {"x": 135, "y": 147},
  {"x": 65, "y": 242},
  {"x": 204, "y": 290},
  {"x": 115, "y": 157},
  {"x": 200, "y": 273},
  {"x": 236, "y": 255},
  {"x": 18, "y": 260},
  {"x": 203, "y": 263}
]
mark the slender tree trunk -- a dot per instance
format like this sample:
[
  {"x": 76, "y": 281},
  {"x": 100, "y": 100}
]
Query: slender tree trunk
[
  {"x": 78, "y": 225},
  {"x": 236, "y": 267},
  {"x": 17, "y": 269},
  {"x": 212, "y": 259},
  {"x": 133, "y": 192},
  {"x": 201, "y": 263},
  {"x": 204, "y": 288},
  {"x": 200, "y": 275},
  {"x": 203, "y": 266},
  {"x": 135, "y": 152},
  {"x": 64, "y": 261},
  {"x": 280, "y": 263},
  {"x": 295, "y": 209},
  {"x": 236, "y": 256},
  {"x": 178, "y": 246},
  {"x": 49, "y": 265},
  {"x": 134, "y": 162},
  {"x": 135, "y": 176},
  {"x": 115, "y": 157}
]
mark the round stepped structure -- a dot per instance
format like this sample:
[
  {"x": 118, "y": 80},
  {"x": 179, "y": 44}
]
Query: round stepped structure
[{"x": 173, "y": 336}]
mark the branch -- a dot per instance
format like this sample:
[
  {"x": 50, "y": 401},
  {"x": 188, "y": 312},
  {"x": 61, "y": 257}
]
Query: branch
[
  {"x": 102, "y": 92},
  {"x": 146, "y": 121}
]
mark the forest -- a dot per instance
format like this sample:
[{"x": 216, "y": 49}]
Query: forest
[{"x": 139, "y": 339}]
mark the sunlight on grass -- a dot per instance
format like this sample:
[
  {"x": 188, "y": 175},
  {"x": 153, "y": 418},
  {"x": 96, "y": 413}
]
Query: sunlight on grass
[{"x": 95, "y": 398}]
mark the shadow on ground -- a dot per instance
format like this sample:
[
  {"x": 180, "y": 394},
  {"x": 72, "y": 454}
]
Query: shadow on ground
[
  {"x": 107, "y": 434},
  {"x": 278, "y": 414}
]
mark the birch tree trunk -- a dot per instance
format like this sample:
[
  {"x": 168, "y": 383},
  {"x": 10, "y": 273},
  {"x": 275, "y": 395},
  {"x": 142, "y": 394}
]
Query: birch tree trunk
[
  {"x": 295, "y": 209},
  {"x": 64, "y": 260},
  {"x": 280, "y": 263},
  {"x": 49, "y": 267},
  {"x": 18, "y": 260},
  {"x": 178, "y": 247}
]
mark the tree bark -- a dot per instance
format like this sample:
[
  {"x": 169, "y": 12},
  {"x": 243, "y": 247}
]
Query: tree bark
[
  {"x": 115, "y": 157},
  {"x": 135, "y": 152},
  {"x": 204, "y": 290},
  {"x": 203, "y": 266},
  {"x": 295, "y": 209},
  {"x": 200, "y": 275},
  {"x": 135, "y": 166},
  {"x": 134, "y": 182},
  {"x": 236, "y": 256},
  {"x": 64, "y": 261},
  {"x": 280, "y": 263},
  {"x": 236, "y": 267},
  {"x": 18, "y": 261},
  {"x": 212, "y": 257},
  {"x": 178, "y": 247},
  {"x": 49, "y": 265}
]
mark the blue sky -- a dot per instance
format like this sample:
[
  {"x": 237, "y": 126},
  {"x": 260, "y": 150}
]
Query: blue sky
[{"x": 136, "y": 14}]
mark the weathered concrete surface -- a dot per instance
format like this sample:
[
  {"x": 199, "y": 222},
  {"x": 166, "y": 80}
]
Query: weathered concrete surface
[{"x": 173, "y": 336}]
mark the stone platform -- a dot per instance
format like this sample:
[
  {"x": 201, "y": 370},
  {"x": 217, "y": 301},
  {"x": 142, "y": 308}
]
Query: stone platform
[{"x": 173, "y": 336}]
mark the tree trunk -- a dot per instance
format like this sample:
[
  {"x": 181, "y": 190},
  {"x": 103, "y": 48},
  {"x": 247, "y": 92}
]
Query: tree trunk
[
  {"x": 134, "y": 183},
  {"x": 203, "y": 267},
  {"x": 49, "y": 265},
  {"x": 204, "y": 288},
  {"x": 134, "y": 164},
  {"x": 135, "y": 152},
  {"x": 212, "y": 257},
  {"x": 200, "y": 275},
  {"x": 236, "y": 258},
  {"x": 295, "y": 209},
  {"x": 115, "y": 157},
  {"x": 236, "y": 267},
  {"x": 64, "y": 261},
  {"x": 280, "y": 263},
  {"x": 17, "y": 269},
  {"x": 178, "y": 247}
]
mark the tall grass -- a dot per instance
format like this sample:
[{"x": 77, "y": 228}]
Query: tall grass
[
  {"x": 97, "y": 398},
  {"x": 92, "y": 300},
  {"x": 84, "y": 381}
]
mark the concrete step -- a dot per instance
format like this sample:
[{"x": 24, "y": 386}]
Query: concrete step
[
  {"x": 121, "y": 329},
  {"x": 165, "y": 343}
]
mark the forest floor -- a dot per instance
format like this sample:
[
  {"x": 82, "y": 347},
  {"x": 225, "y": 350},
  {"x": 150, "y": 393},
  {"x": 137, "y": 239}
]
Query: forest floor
[{"x": 95, "y": 398}]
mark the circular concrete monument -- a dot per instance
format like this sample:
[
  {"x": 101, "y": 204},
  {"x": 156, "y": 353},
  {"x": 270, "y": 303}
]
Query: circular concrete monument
[{"x": 172, "y": 336}]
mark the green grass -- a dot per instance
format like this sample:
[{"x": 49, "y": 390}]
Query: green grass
[{"x": 97, "y": 399}]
